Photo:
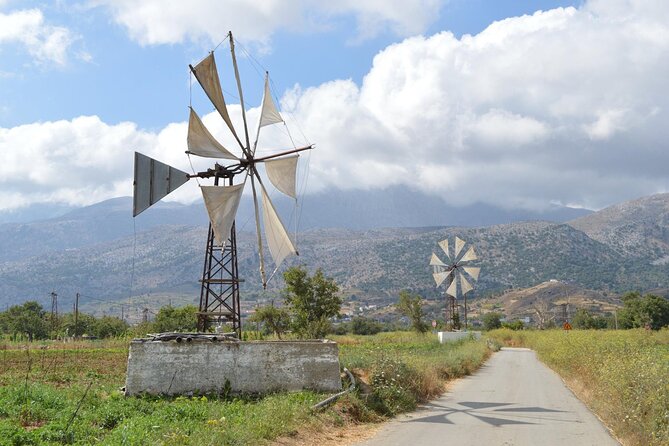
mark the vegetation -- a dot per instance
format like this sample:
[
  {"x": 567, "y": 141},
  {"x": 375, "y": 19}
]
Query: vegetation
[
  {"x": 622, "y": 375},
  {"x": 648, "y": 311},
  {"x": 275, "y": 320},
  {"x": 492, "y": 320},
  {"x": 312, "y": 301},
  {"x": 169, "y": 318},
  {"x": 67, "y": 393},
  {"x": 411, "y": 306}
]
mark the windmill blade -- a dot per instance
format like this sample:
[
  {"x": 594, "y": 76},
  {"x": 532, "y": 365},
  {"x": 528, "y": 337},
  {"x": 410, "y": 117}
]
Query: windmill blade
[
  {"x": 153, "y": 181},
  {"x": 241, "y": 95},
  {"x": 258, "y": 233},
  {"x": 469, "y": 255},
  {"x": 201, "y": 142},
  {"x": 459, "y": 244},
  {"x": 440, "y": 277},
  {"x": 268, "y": 111},
  {"x": 278, "y": 240},
  {"x": 465, "y": 286},
  {"x": 453, "y": 288},
  {"x": 444, "y": 246},
  {"x": 207, "y": 76},
  {"x": 473, "y": 271},
  {"x": 282, "y": 172},
  {"x": 434, "y": 261},
  {"x": 222, "y": 203}
]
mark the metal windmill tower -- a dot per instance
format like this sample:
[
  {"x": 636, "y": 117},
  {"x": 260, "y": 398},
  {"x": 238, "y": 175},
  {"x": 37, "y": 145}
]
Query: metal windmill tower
[
  {"x": 219, "y": 295},
  {"x": 456, "y": 270}
]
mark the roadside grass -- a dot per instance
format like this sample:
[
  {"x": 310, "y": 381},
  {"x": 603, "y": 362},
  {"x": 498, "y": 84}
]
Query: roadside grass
[
  {"x": 55, "y": 393},
  {"x": 622, "y": 375}
]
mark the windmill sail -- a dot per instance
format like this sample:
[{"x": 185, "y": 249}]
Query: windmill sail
[
  {"x": 153, "y": 181},
  {"x": 469, "y": 255},
  {"x": 269, "y": 113},
  {"x": 440, "y": 277},
  {"x": 465, "y": 286},
  {"x": 452, "y": 289},
  {"x": 201, "y": 143},
  {"x": 222, "y": 203},
  {"x": 444, "y": 246},
  {"x": 473, "y": 271},
  {"x": 459, "y": 244},
  {"x": 278, "y": 240},
  {"x": 282, "y": 173},
  {"x": 207, "y": 75},
  {"x": 434, "y": 261}
]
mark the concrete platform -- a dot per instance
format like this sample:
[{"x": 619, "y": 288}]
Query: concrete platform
[{"x": 257, "y": 367}]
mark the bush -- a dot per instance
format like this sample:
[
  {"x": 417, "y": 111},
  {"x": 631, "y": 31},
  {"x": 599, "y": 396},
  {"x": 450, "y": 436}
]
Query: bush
[{"x": 365, "y": 326}]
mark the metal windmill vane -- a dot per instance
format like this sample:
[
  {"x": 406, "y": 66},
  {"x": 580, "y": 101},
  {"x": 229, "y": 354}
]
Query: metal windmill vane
[
  {"x": 219, "y": 296},
  {"x": 457, "y": 271}
]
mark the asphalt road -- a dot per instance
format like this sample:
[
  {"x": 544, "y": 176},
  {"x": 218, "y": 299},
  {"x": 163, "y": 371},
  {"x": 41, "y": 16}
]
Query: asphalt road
[{"x": 512, "y": 400}]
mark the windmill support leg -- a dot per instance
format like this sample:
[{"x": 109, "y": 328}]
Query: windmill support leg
[{"x": 219, "y": 293}]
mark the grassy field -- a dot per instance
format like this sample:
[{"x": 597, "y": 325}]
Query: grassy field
[
  {"x": 622, "y": 375},
  {"x": 55, "y": 393}
]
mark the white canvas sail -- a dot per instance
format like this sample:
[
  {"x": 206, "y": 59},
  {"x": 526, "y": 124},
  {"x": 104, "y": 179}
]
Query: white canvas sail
[
  {"x": 434, "y": 261},
  {"x": 473, "y": 271},
  {"x": 459, "y": 244},
  {"x": 201, "y": 142},
  {"x": 279, "y": 242},
  {"x": 453, "y": 288},
  {"x": 444, "y": 247},
  {"x": 207, "y": 75},
  {"x": 469, "y": 255},
  {"x": 465, "y": 286},
  {"x": 440, "y": 277},
  {"x": 269, "y": 113},
  {"x": 282, "y": 173},
  {"x": 222, "y": 203}
]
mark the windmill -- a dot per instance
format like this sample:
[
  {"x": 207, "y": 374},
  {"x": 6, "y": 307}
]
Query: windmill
[
  {"x": 153, "y": 180},
  {"x": 457, "y": 270}
]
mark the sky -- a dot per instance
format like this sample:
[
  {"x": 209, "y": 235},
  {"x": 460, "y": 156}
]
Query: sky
[{"x": 515, "y": 103}]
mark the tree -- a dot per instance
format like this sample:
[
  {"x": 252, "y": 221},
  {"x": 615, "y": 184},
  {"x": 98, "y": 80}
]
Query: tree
[
  {"x": 582, "y": 319},
  {"x": 169, "y": 318},
  {"x": 365, "y": 326},
  {"x": 27, "y": 319},
  {"x": 647, "y": 311},
  {"x": 411, "y": 306},
  {"x": 492, "y": 320},
  {"x": 109, "y": 326},
  {"x": 276, "y": 320},
  {"x": 311, "y": 300}
]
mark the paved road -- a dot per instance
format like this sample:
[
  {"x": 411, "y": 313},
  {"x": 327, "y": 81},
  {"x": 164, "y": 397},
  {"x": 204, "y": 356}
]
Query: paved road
[{"x": 512, "y": 400}]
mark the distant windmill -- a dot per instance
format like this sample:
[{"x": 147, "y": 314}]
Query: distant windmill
[
  {"x": 219, "y": 295},
  {"x": 456, "y": 271}
]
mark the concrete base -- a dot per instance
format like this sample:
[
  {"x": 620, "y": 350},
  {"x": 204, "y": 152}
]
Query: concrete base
[
  {"x": 451, "y": 336},
  {"x": 177, "y": 368}
]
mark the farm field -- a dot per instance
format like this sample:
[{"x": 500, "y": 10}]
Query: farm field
[
  {"x": 56, "y": 393},
  {"x": 622, "y": 375}
]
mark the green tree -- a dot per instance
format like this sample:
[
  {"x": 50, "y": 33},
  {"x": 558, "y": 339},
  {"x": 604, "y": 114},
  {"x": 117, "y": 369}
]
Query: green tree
[
  {"x": 492, "y": 320},
  {"x": 182, "y": 319},
  {"x": 411, "y": 306},
  {"x": 311, "y": 300},
  {"x": 649, "y": 310},
  {"x": 365, "y": 326},
  {"x": 28, "y": 319},
  {"x": 109, "y": 326},
  {"x": 582, "y": 319},
  {"x": 275, "y": 320},
  {"x": 514, "y": 325}
]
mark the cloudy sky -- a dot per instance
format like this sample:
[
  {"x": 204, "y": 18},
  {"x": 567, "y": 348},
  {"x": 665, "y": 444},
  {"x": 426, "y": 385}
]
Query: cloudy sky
[{"x": 518, "y": 103}]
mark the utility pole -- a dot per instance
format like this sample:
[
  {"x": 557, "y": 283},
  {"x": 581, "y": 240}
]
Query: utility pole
[
  {"x": 145, "y": 315},
  {"x": 54, "y": 310},
  {"x": 76, "y": 314},
  {"x": 122, "y": 313}
]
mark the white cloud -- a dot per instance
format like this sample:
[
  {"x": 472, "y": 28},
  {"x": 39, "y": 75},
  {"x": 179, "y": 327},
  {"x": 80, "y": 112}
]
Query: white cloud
[
  {"x": 46, "y": 43},
  {"x": 567, "y": 106},
  {"x": 153, "y": 22}
]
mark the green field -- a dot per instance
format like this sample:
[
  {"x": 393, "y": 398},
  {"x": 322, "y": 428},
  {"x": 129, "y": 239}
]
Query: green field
[
  {"x": 622, "y": 375},
  {"x": 56, "y": 393}
]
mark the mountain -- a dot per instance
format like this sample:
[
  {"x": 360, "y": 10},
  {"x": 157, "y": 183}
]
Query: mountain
[
  {"x": 96, "y": 251},
  {"x": 636, "y": 229}
]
